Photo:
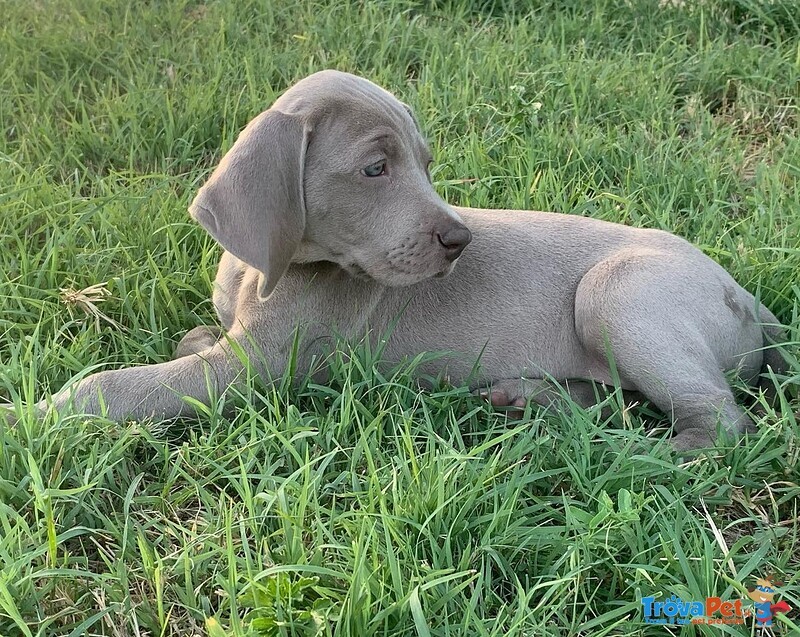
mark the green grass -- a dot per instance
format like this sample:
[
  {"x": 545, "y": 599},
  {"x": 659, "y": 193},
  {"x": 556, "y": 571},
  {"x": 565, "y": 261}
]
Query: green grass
[{"x": 363, "y": 507}]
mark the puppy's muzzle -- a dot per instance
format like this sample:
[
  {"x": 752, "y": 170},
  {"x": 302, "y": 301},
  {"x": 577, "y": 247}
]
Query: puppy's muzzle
[{"x": 454, "y": 239}]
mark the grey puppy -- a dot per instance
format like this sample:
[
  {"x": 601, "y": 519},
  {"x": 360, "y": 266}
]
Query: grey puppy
[{"x": 329, "y": 221}]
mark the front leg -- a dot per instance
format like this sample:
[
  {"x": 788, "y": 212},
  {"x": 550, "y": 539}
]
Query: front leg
[{"x": 153, "y": 391}]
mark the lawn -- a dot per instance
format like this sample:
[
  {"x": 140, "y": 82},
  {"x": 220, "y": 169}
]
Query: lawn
[{"x": 362, "y": 506}]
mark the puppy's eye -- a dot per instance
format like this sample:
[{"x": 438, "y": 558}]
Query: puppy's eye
[{"x": 375, "y": 170}]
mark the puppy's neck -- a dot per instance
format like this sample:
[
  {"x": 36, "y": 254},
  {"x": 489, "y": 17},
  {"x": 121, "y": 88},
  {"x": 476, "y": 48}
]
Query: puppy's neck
[
  {"x": 308, "y": 252},
  {"x": 324, "y": 259}
]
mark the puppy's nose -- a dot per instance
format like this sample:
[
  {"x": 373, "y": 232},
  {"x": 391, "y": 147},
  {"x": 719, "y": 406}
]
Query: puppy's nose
[{"x": 454, "y": 240}]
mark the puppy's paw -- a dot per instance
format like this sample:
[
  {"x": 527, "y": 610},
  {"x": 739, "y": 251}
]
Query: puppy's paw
[{"x": 499, "y": 396}]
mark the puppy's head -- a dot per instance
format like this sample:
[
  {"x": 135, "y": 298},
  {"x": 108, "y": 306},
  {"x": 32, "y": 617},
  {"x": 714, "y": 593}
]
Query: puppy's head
[{"x": 336, "y": 170}]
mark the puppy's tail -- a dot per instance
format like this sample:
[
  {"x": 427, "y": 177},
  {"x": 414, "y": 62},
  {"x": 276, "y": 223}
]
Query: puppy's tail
[{"x": 774, "y": 336}]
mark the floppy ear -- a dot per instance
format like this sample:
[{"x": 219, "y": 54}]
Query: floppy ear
[{"x": 253, "y": 203}]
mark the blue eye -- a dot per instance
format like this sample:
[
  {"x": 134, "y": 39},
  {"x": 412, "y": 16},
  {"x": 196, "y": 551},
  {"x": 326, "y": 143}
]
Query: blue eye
[{"x": 375, "y": 170}]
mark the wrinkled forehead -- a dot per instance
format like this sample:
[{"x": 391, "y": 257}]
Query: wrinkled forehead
[
  {"x": 359, "y": 122},
  {"x": 352, "y": 108}
]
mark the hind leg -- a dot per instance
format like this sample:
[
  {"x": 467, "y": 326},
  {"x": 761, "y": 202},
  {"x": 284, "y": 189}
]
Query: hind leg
[
  {"x": 197, "y": 340},
  {"x": 662, "y": 326},
  {"x": 683, "y": 382}
]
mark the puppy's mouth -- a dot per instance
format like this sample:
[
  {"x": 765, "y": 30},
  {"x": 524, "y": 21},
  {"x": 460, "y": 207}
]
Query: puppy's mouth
[
  {"x": 447, "y": 270},
  {"x": 395, "y": 274}
]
